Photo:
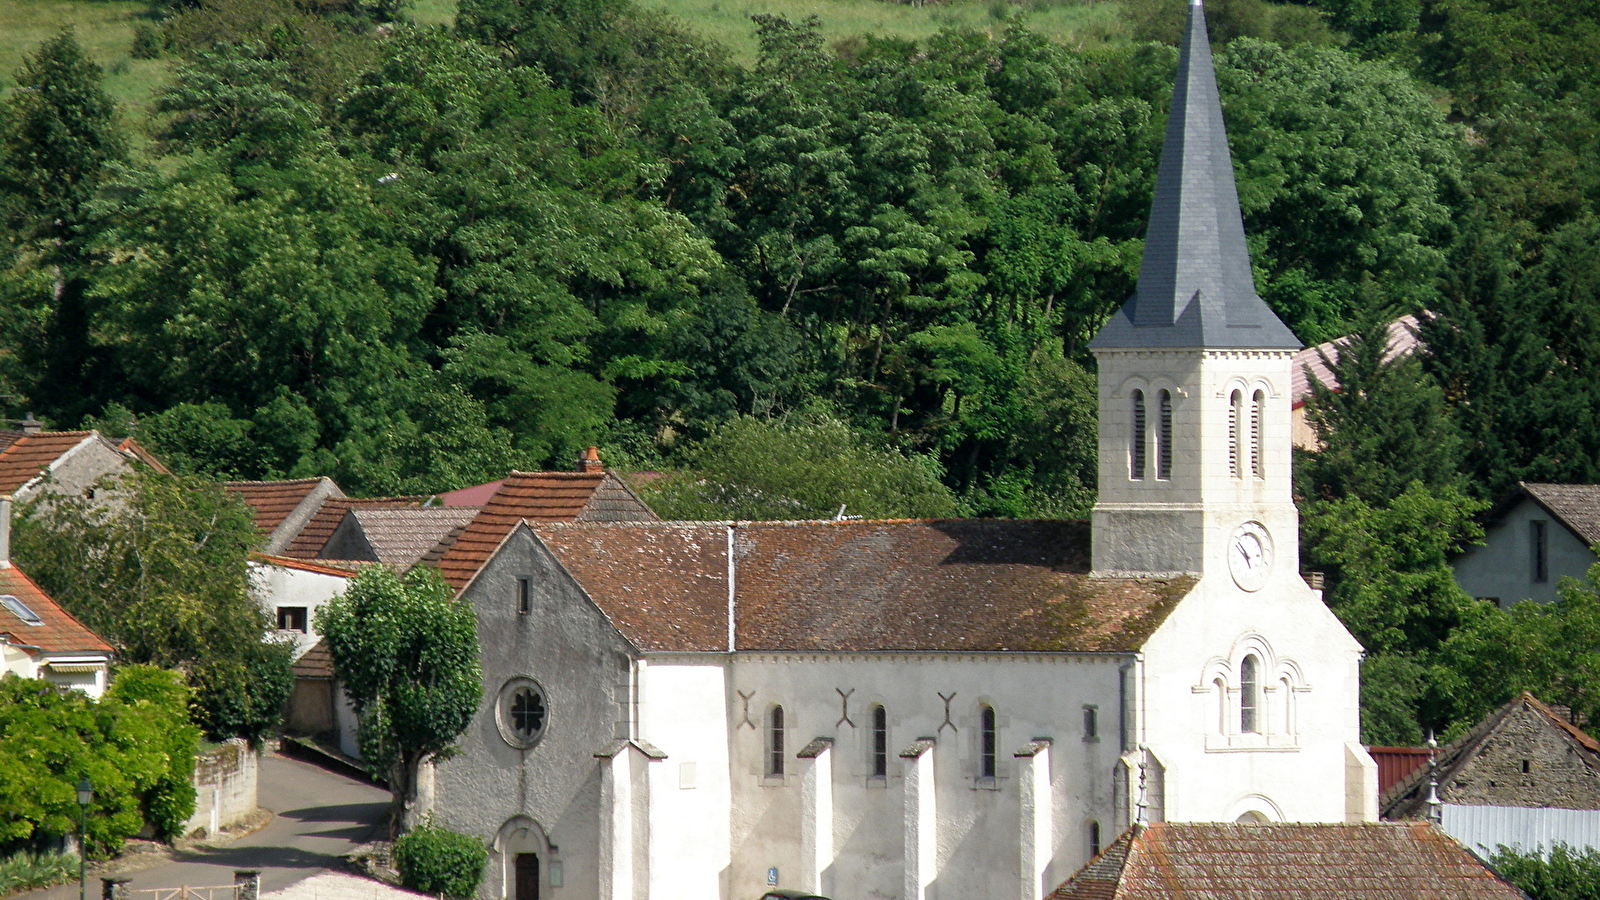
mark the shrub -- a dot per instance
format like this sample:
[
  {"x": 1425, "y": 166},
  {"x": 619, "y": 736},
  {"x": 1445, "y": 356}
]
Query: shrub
[
  {"x": 27, "y": 871},
  {"x": 439, "y": 862},
  {"x": 147, "y": 41}
]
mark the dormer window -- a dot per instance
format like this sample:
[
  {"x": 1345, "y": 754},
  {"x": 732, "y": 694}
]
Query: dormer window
[{"x": 1136, "y": 449}]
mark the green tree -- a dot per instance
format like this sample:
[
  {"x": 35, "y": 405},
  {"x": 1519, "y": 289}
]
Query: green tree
[
  {"x": 59, "y": 139},
  {"x": 1383, "y": 428},
  {"x": 1566, "y": 873},
  {"x": 806, "y": 465},
  {"x": 1552, "y": 650},
  {"x": 160, "y": 572},
  {"x": 135, "y": 745},
  {"x": 407, "y": 654}
]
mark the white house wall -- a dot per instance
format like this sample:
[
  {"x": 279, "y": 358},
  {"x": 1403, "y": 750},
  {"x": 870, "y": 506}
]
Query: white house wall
[
  {"x": 683, "y": 704},
  {"x": 979, "y": 823},
  {"x": 276, "y": 586}
]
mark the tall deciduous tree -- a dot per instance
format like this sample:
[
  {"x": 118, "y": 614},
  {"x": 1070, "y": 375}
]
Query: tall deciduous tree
[
  {"x": 160, "y": 572},
  {"x": 407, "y": 655}
]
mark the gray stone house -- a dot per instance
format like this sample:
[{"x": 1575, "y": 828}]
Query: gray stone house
[{"x": 1536, "y": 537}]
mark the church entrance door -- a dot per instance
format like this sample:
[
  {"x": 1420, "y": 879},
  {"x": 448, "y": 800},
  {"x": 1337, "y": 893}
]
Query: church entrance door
[{"x": 527, "y": 876}]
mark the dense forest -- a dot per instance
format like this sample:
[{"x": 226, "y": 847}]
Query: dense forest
[{"x": 863, "y": 271}]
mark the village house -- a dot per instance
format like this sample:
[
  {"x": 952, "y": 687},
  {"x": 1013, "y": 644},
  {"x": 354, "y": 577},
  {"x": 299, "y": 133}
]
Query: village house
[
  {"x": 1535, "y": 537},
  {"x": 949, "y": 709},
  {"x": 1525, "y": 777},
  {"x": 39, "y": 639}
]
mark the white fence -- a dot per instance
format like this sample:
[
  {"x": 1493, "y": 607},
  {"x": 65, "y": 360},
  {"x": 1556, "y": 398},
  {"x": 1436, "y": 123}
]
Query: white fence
[{"x": 1485, "y": 828}]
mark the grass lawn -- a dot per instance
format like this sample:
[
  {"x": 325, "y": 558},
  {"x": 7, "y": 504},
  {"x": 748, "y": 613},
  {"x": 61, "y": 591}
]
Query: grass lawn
[
  {"x": 728, "y": 21},
  {"x": 104, "y": 29}
]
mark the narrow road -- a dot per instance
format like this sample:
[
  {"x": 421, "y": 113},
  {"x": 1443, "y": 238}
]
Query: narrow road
[{"x": 319, "y": 817}]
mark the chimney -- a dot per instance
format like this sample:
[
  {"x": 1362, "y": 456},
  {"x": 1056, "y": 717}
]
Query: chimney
[
  {"x": 589, "y": 461},
  {"x": 5, "y": 531},
  {"x": 30, "y": 425}
]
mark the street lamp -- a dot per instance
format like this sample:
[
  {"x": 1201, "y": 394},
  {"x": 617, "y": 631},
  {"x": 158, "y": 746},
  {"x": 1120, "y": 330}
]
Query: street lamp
[{"x": 85, "y": 797}]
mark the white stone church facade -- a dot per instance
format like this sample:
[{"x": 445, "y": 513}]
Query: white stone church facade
[{"x": 952, "y": 710}]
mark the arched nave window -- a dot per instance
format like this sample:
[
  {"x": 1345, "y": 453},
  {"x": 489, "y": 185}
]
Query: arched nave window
[
  {"x": 987, "y": 742},
  {"x": 1249, "y": 694},
  {"x": 880, "y": 742},
  {"x": 1235, "y": 404},
  {"x": 775, "y": 741},
  {"x": 1221, "y": 690},
  {"x": 1164, "y": 437},
  {"x": 1258, "y": 410},
  {"x": 1094, "y": 839},
  {"x": 1136, "y": 448}
]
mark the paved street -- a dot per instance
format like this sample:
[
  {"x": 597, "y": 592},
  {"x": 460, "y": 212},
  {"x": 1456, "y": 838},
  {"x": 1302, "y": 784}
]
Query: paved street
[{"x": 320, "y": 816}]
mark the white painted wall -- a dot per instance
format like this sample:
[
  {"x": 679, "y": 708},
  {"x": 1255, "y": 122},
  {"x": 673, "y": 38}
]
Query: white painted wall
[
  {"x": 683, "y": 704},
  {"x": 279, "y": 585}
]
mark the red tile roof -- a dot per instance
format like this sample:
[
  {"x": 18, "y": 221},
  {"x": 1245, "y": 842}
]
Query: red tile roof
[
  {"x": 314, "y": 536},
  {"x": 25, "y": 458},
  {"x": 1375, "y": 861},
  {"x": 273, "y": 501},
  {"x": 535, "y": 497},
  {"x": 973, "y": 585},
  {"x": 477, "y": 495},
  {"x": 339, "y": 569},
  {"x": 401, "y": 537},
  {"x": 60, "y": 633}
]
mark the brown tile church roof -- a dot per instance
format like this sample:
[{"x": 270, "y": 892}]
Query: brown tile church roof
[
  {"x": 969, "y": 585},
  {"x": 1374, "y": 861}
]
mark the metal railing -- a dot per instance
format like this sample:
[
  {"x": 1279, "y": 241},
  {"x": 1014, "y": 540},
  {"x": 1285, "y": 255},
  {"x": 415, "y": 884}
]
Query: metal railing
[{"x": 218, "y": 892}]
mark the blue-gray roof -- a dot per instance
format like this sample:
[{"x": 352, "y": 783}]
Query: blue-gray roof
[{"x": 1195, "y": 285}]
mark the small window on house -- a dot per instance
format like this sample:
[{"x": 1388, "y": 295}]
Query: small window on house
[
  {"x": 987, "y": 743},
  {"x": 775, "y": 741},
  {"x": 880, "y": 742},
  {"x": 524, "y": 595},
  {"x": 1235, "y": 404},
  {"x": 1258, "y": 412},
  {"x": 1094, "y": 839},
  {"x": 1091, "y": 723},
  {"x": 1248, "y": 688},
  {"x": 1136, "y": 448},
  {"x": 1164, "y": 438},
  {"x": 1537, "y": 551},
  {"x": 292, "y": 618},
  {"x": 21, "y": 610},
  {"x": 1526, "y": 765}
]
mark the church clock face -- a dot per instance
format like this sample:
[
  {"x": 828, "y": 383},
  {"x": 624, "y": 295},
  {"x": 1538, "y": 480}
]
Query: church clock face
[{"x": 1250, "y": 556}]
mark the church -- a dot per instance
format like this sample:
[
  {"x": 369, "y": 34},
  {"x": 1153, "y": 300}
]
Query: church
[{"x": 936, "y": 709}]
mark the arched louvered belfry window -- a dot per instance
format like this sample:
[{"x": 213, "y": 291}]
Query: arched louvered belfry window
[
  {"x": 1249, "y": 694},
  {"x": 1235, "y": 409},
  {"x": 775, "y": 741},
  {"x": 1136, "y": 447},
  {"x": 1258, "y": 413},
  {"x": 880, "y": 742},
  {"x": 988, "y": 741},
  {"x": 1164, "y": 436}
]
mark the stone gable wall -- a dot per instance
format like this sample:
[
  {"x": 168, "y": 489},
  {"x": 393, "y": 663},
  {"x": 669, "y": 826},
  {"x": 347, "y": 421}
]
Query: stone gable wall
[{"x": 1557, "y": 775}]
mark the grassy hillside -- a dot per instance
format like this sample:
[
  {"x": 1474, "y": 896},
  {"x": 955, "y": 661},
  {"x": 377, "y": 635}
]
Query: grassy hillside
[
  {"x": 104, "y": 29},
  {"x": 728, "y": 21}
]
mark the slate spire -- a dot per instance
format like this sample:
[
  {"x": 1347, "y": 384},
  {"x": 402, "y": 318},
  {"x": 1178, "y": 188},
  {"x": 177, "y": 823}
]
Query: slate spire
[{"x": 1195, "y": 285}]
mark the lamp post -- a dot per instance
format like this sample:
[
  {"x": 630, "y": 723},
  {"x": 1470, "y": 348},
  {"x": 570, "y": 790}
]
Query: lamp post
[{"x": 85, "y": 797}]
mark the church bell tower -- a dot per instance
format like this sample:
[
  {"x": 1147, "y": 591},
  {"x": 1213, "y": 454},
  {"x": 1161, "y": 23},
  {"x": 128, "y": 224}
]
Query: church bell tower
[{"x": 1195, "y": 374}]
